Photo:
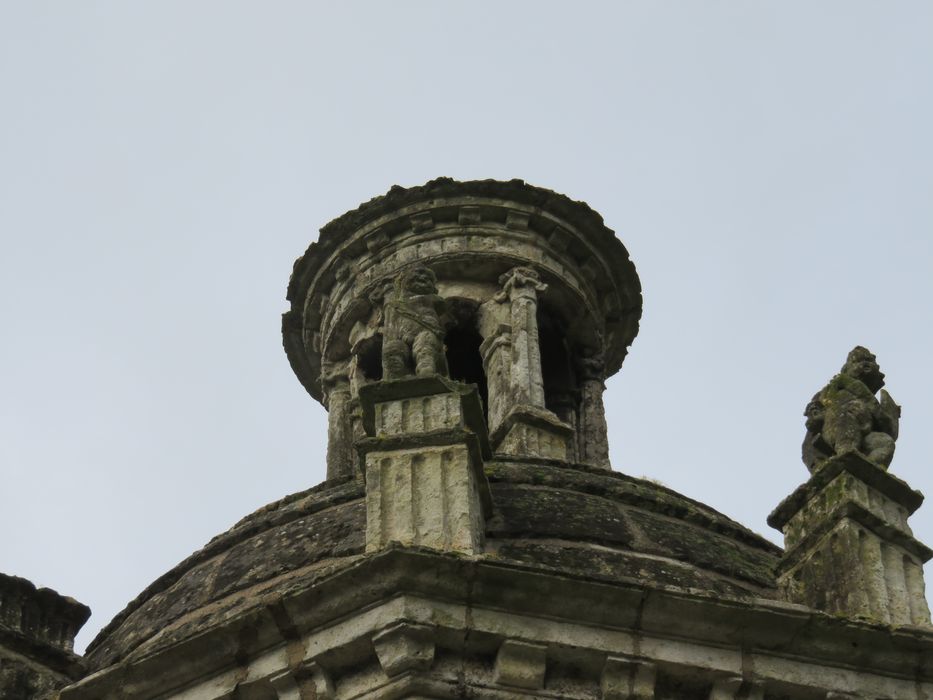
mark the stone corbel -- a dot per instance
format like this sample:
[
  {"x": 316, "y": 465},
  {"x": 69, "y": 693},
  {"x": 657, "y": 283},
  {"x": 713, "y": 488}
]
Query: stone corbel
[
  {"x": 726, "y": 688},
  {"x": 308, "y": 682},
  {"x": 405, "y": 647},
  {"x": 626, "y": 678},
  {"x": 521, "y": 664}
]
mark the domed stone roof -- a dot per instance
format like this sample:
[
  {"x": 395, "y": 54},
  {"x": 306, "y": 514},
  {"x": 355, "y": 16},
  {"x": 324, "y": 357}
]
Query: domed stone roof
[
  {"x": 564, "y": 519},
  {"x": 510, "y": 445}
]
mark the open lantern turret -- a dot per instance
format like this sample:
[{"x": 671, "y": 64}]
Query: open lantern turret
[{"x": 538, "y": 303}]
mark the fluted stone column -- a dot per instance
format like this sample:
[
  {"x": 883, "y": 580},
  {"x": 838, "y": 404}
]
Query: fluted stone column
[
  {"x": 496, "y": 351},
  {"x": 520, "y": 423},
  {"x": 520, "y": 286},
  {"x": 593, "y": 434}
]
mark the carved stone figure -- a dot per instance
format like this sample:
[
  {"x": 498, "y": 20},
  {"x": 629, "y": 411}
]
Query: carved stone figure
[
  {"x": 845, "y": 416},
  {"x": 413, "y": 335}
]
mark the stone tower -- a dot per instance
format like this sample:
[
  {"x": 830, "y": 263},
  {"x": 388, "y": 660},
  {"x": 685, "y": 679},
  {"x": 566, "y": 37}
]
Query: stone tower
[{"x": 471, "y": 540}]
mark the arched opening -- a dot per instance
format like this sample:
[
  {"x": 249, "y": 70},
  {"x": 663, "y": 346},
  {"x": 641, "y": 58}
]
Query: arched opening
[
  {"x": 560, "y": 386},
  {"x": 369, "y": 358},
  {"x": 461, "y": 345}
]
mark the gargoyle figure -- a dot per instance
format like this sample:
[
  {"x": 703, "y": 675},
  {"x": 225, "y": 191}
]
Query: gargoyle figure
[
  {"x": 413, "y": 335},
  {"x": 845, "y": 416}
]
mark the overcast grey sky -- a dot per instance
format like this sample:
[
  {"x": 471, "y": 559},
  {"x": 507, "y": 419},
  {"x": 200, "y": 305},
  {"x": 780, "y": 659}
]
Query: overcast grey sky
[{"x": 768, "y": 165}]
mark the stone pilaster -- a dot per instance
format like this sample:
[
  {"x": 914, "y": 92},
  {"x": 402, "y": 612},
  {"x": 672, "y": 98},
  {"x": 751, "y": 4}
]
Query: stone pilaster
[
  {"x": 849, "y": 549},
  {"x": 423, "y": 464},
  {"x": 340, "y": 456}
]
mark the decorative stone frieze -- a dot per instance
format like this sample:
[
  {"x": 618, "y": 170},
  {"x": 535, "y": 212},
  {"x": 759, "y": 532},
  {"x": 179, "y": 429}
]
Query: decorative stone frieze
[
  {"x": 423, "y": 462},
  {"x": 521, "y": 664}
]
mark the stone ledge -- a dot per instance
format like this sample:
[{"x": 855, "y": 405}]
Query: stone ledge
[
  {"x": 854, "y": 463},
  {"x": 56, "y": 659},
  {"x": 40, "y": 614},
  {"x": 417, "y": 387},
  {"x": 776, "y": 634}
]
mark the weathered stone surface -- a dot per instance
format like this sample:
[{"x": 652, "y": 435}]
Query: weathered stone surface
[
  {"x": 849, "y": 548},
  {"x": 529, "y": 215},
  {"x": 844, "y": 416},
  {"x": 521, "y": 664},
  {"x": 513, "y": 296},
  {"x": 541, "y": 501},
  {"x": 475, "y": 605},
  {"x": 413, "y": 340},
  {"x": 447, "y": 564},
  {"x": 423, "y": 497},
  {"x": 592, "y": 431},
  {"x": 310, "y": 526},
  {"x": 626, "y": 678},
  {"x": 589, "y": 509},
  {"x": 404, "y": 647},
  {"x": 37, "y": 630},
  {"x": 425, "y": 484}
]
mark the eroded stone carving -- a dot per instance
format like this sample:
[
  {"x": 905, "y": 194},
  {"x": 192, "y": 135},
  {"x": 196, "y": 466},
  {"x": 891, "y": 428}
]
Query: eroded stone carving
[
  {"x": 844, "y": 416},
  {"x": 413, "y": 335}
]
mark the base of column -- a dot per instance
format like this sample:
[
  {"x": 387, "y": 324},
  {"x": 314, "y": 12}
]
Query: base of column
[{"x": 529, "y": 431}]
